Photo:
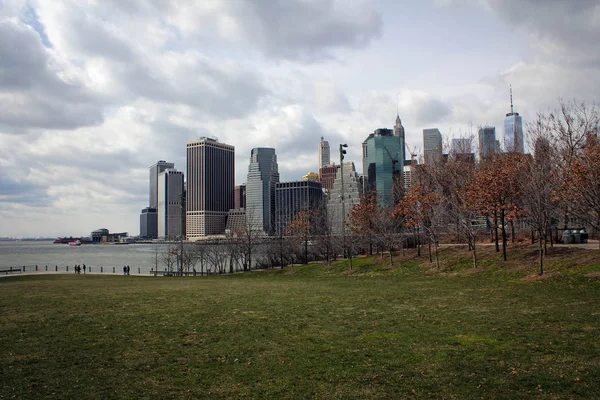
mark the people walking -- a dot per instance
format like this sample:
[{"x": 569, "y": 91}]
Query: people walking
[
  {"x": 124, "y": 270},
  {"x": 84, "y": 269}
]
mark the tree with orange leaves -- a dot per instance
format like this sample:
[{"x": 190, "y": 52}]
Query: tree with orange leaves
[
  {"x": 584, "y": 183},
  {"x": 495, "y": 192},
  {"x": 363, "y": 216},
  {"x": 422, "y": 208}
]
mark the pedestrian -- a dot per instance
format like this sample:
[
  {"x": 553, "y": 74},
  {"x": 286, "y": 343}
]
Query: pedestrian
[
  {"x": 124, "y": 270},
  {"x": 128, "y": 270},
  {"x": 84, "y": 269}
]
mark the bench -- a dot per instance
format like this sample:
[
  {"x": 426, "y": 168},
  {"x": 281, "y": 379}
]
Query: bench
[{"x": 10, "y": 270}]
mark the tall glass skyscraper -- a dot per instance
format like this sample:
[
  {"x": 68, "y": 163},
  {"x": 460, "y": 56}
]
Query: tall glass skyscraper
[
  {"x": 513, "y": 131},
  {"x": 383, "y": 161},
  {"x": 432, "y": 145},
  {"x": 263, "y": 174},
  {"x": 156, "y": 169},
  {"x": 487, "y": 141}
]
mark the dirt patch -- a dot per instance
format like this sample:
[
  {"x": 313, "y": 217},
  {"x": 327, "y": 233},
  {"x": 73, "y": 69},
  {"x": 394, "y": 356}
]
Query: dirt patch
[
  {"x": 593, "y": 275},
  {"x": 538, "y": 277}
]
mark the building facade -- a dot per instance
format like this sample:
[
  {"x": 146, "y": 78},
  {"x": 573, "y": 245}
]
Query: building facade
[
  {"x": 170, "y": 204},
  {"x": 149, "y": 223},
  {"x": 432, "y": 145},
  {"x": 351, "y": 196},
  {"x": 513, "y": 133},
  {"x": 239, "y": 196},
  {"x": 327, "y": 176},
  {"x": 383, "y": 161},
  {"x": 324, "y": 153},
  {"x": 263, "y": 174},
  {"x": 210, "y": 182},
  {"x": 156, "y": 169},
  {"x": 293, "y": 197},
  {"x": 487, "y": 141}
]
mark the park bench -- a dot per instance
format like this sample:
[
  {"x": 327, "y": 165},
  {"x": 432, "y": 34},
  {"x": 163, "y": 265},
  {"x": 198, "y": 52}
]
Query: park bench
[{"x": 10, "y": 270}]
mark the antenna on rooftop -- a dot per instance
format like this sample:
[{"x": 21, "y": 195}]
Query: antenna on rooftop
[{"x": 511, "y": 101}]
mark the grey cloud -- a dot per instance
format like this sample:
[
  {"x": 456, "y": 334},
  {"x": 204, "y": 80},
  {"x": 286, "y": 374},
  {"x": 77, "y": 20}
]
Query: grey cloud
[
  {"x": 32, "y": 93},
  {"x": 568, "y": 29},
  {"x": 309, "y": 30},
  {"x": 430, "y": 110},
  {"x": 304, "y": 30},
  {"x": 17, "y": 191}
]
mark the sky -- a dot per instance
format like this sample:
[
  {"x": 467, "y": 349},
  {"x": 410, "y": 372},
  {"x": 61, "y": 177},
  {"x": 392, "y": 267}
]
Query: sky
[{"x": 94, "y": 92}]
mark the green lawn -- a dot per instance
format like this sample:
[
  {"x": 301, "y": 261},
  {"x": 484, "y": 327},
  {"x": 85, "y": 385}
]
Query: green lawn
[{"x": 410, "y": 331}]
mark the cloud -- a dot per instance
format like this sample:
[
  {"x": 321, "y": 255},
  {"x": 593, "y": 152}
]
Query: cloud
[
  {"x": 36, "y": 89},
  {"x": 306, "y": 30},
  {"x": 564, "y": 31}
]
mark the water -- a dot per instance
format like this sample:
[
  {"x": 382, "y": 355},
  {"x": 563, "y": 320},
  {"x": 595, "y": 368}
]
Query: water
[{"x": 31, "y": 253}]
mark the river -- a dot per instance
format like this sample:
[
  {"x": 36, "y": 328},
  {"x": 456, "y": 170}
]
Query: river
[{"x": 139, "y": 257}]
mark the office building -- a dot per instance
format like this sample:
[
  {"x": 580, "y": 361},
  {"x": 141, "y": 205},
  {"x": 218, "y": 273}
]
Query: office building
[
  {"x": 327, "y": 176},
  {"x": 239, "y": 196},
  {"x": 383, "y": 160},
  {"x": 210, "y": 182},
  {"x": 513, "y": 131},
  {"x": 488, "y": 144},
  {"x": 156, "y": 169},
  {"x": 399, "y": 129},
  {"x": 432, "y": 146},
  {"x": 170, "y": 204},
  {"x": 324, "y": 153},
  {"x": 236, "y": 223},
  {"x": 148, "y": 223},
  {"x": 263, "y": 174},
  {"x": 351, "y": 196},
  {"x": 293, "y": 197}
]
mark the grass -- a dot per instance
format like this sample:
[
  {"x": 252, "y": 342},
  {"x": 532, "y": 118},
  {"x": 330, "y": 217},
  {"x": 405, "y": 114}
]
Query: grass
[{"x": 410, "y": 331}]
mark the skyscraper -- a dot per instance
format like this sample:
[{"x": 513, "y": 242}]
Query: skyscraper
[
  {"x": 383, "y": 161},
  {"x": 148, "y": 223},
  {"x": 293, "y": 197},
  {"x": 324, "y": 153},
  {"x": 170, "y": 197},
  {"x": 399, "y": 129},
  {"x": 432, "y": 145},
  {"x": 239, "y": 197},
  {"x": 156, "y": 169},
  {"x": 513, "y": 131},
  {"x": 263, "y": 174},
  {"x": 352, "y": 192},
  {"x": 210, "y": 182},
  {"x": 487, "y": 141},
  {"x": 148, "y": 217}
]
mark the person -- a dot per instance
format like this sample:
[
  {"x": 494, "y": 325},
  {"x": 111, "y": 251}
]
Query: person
[
  {"x": 124, "y": 270},
  {"x": 128, "y": 270},
  {"x": 84, "y": 269}
]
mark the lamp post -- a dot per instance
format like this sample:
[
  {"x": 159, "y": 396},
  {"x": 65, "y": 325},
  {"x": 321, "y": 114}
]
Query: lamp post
[{"x": 342, "y": 152}]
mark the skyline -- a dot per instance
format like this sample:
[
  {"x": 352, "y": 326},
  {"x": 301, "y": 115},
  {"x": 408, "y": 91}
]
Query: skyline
[{"x": 93, "y": 94}]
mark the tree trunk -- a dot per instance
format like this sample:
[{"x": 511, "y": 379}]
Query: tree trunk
[
  {"x": 391, "y": 258},
  {"x": 437, "y": 259},
  {"x": 429, "y": 248},
  {"x": 503, "y": 234},
  {"x": 496, "y": 231},
  {"x": 541, "y": 257},
  {"x": 418, "y": 244},
  {"x": 474, "y": 255}
]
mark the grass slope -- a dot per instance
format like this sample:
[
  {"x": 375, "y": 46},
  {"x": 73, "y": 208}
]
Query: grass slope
[{"x": 408, "y": 331}]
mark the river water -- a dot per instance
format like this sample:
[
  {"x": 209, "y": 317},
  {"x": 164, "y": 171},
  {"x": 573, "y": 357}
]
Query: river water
[{"x": 139, "y": 257}]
